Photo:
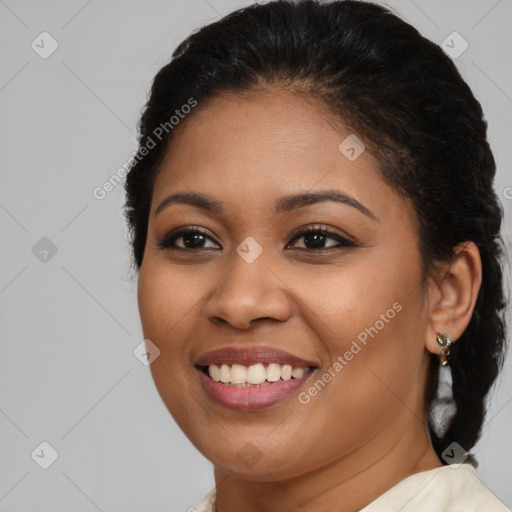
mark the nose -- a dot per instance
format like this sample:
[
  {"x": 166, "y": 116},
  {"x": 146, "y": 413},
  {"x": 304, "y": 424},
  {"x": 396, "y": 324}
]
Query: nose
[{"x": 249, "y": 292}]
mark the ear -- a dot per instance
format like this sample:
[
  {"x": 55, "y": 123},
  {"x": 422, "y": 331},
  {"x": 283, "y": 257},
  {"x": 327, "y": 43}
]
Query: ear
[{"x": 452, "y": 295}]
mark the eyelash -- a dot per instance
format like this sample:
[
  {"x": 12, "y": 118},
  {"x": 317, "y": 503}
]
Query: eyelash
[{"x": 167, "y": 241}]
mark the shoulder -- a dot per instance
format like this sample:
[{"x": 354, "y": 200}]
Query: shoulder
[
  {"x": 206, "y": 504},
  {"x": 452, "y": 488},
  {"x": 468, "y": 493}
]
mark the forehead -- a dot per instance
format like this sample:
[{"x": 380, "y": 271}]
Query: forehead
[{"x": 253, "y": 147}]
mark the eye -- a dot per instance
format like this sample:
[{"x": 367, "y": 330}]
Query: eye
[
  {"x": 195, "y": 239},
  {"x": 191, "y": 239},
  {"x": 315, "y": 238}
]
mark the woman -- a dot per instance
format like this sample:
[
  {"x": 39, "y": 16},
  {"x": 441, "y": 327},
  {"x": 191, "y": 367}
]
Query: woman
[{"x": 318, "y": 241}]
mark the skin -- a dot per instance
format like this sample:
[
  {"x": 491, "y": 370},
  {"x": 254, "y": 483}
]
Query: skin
[{"x": 365, "y": 430}]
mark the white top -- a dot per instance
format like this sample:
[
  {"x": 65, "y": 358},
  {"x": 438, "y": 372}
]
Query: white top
[{"x": 452, "y": 488}]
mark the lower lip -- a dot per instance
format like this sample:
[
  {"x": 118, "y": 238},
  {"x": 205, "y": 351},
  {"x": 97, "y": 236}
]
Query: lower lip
[{"x": 251, "y": 398}]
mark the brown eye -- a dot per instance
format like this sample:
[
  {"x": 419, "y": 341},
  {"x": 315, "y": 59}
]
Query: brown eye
[
  {"x": 192, "y": 239},
  {"x": 315, "y": 238}
]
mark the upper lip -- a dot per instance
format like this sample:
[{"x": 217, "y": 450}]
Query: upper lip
[{"x": 251, "y": 355}]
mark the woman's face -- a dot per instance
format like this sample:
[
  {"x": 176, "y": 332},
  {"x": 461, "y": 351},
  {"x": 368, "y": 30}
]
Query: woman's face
[{"x": 350, "y": 303}]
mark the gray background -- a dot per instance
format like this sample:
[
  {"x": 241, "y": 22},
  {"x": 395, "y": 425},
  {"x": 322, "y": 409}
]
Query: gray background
[{"x": 69, "y": 320}]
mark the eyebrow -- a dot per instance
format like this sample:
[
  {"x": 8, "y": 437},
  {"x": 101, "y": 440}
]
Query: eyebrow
[{"x": 282, "y": 205}]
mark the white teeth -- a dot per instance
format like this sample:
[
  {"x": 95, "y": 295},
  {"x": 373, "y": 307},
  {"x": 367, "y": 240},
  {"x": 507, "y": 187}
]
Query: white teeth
[
  {"x": 254, "y": 374},
  {"x": 225, "y": 373},
  {"x": 273, "y": 372},
  {"x": 286, "y": 372},
  {"x": 214, "y": 372},
  {"x": 297, "y": 373},
  {"x": 238, "y": 374}
]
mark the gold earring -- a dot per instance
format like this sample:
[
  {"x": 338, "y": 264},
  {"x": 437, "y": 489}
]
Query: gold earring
[{"x": 444, "y": 341}]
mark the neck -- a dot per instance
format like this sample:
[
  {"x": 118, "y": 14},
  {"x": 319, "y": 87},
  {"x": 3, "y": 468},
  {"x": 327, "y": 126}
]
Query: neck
[{"x": 348, "y": 484}]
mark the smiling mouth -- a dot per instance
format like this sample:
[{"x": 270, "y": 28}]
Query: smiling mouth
[
  {"x": 249, "y": 388},
  {"x": 256, "y": 375}
]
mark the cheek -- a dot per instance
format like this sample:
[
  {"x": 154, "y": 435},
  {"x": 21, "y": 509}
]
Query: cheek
[
  {"x": 149, "y": 298},
  {"x": 354, "y": 303},
  {"x": 165, "y": 298},
  {"x": 163, "y": 309},
  {"x": 367, "y": 321},
  {"x": 163, "y": 312}
]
